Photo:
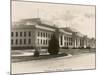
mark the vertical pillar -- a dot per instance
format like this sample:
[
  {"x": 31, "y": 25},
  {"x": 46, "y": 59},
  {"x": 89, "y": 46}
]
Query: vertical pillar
[{"x": 63, "y": 40}]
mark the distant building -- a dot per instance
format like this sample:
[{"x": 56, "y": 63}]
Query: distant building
[{"x": 30, "y": 33}]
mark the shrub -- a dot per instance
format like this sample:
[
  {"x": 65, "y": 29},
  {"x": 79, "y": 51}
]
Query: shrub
[
  {"x": 36, "y": 53},
  {"x": 81, "y": 47},
  {"x": 53, "y": 48},
  {"x": 88, "y": 47},
  {"x": 73, "y": 48}
]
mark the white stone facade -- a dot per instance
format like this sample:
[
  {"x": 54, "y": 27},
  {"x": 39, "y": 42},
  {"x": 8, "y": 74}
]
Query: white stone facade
[{"x": 39, "y": 34}]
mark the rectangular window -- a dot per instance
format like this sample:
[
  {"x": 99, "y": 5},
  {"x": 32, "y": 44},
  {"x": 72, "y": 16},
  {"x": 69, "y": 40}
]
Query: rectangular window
[
  {"x": 67, "y": 44},
  {"x": 16, "y": 41},
  {"x": 71, "y": 43},
  {"x": 12, "y": 34},
  {"x": 67, "y": 38},
  {"x": 38, "y": 33},
  {"x": 29, "y": 33},
  {"x": 24, "y": 33},
  {"x": 38, "y": 41},
  {"x": 41, "y": 34},
  {"x": 11, "y": 41},
  {"x": 20, "y": 33},
  {"x": 70, "y": 39},
  {"x": 16, "y": 34},
  {"x": 46, "y": 35},
  {"x": 41, "y": 41},
  {"x": 29, "y": 41},
  {"x": 24, "y": 41},
  {"x": 44, "y": 42}
]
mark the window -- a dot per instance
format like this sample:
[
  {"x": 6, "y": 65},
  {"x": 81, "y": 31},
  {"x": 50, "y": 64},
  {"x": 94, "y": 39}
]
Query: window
[
  {"x": 16, "y": 41},
  {"x": 24, "y": 41},
  {"x": 20, "y": 33},
  {"x": 44, "y": 42},
  {"x": 41, "y": 41},
  {"x": 24, "y": 33},
  {"x": 46, "y": 35},
  {"x": 20, "y": 41},
  {"x": 67, "y": 44},
  {"x": 12, "y": 34},
  {"x": 38, "y": 41},
  {"x": 41, "y": 34},
  {"x": 16, "y": 34},
  {"x": 71, "y": 39},
  {"x": 67, "y": 38},
  {"x": 29, "y": 33},
  {"x": 71, "y": 43},
  {"x": 11, "y": 41},
  {"x": 29, "y": 41}
]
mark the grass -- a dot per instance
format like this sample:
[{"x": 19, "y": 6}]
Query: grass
[
  {"x": 41, "y": 57},
  {"x": 15, "y": 53},
  {"x": 63, "y": 52}
]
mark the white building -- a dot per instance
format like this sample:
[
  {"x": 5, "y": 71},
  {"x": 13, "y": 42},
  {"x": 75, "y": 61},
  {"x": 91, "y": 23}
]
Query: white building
[{"x": 29, "y": 33}]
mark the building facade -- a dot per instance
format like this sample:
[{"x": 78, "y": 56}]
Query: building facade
[{"x": 31, "y": 33}]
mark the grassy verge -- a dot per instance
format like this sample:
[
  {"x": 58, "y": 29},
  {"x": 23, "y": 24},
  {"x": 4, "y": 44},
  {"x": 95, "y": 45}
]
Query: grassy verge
[{"x": 41, "y": 57}]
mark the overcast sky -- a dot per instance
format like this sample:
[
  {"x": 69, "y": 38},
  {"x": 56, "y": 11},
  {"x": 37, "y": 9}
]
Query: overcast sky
[{"x": 79, "y": 17}]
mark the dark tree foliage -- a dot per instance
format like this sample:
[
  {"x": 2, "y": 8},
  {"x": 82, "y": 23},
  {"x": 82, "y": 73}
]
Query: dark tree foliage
[
  {"x": 53, "y": 48},
  {"x": 36, "y": 53}
]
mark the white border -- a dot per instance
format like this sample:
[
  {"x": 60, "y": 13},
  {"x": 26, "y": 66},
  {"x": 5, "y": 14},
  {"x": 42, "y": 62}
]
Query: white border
[{"x": 5, "y": 37}]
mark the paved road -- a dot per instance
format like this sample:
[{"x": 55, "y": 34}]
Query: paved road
[{"x": 76, "y": 62}]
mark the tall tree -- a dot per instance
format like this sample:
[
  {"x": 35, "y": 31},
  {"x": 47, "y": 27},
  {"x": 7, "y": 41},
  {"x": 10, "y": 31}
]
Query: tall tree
[{"x": 53, "y": 48}]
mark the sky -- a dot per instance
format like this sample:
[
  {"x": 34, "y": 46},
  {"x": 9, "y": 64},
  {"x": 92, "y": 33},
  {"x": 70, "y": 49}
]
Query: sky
[{"x": 80, "y": 17}]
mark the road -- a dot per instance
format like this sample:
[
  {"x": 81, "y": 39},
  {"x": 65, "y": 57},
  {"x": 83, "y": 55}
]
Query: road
[{"x": 75, "y": 62}]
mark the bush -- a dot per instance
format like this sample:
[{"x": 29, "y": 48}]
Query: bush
[
  {"x": 36, "y": 53},
  {"x": 53, "y": 48},
  {"x": 81, "y": 47},
  {"x": 88, "y": 47},
  {"x": 73, "y": 48}
]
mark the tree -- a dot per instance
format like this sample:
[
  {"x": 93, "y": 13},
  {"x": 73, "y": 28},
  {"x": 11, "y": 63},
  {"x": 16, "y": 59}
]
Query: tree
[{"x": 53, "y": 47}]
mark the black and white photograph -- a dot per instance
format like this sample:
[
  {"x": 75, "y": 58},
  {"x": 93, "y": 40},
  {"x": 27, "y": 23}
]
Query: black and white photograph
[{"x": 52, "y": 37}]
